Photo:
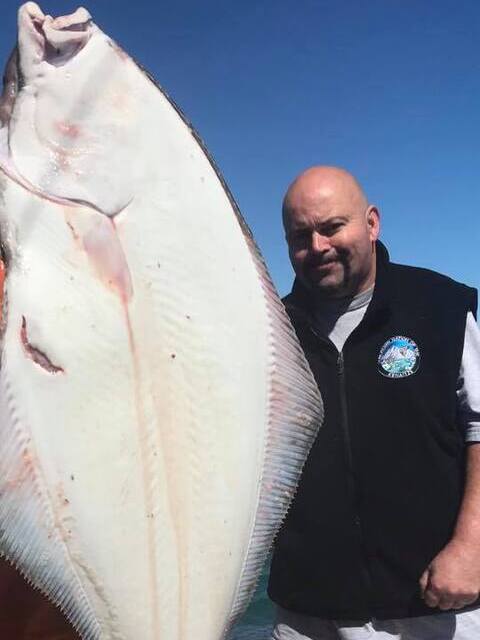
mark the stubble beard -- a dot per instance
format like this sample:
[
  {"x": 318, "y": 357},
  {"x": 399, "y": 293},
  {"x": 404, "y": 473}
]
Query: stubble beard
[{"x": 341, "y": 285}]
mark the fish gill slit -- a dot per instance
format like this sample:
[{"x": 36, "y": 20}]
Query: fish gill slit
[
  {"x": 75, "y": 203},
  {"x": 37, "y": 355}
]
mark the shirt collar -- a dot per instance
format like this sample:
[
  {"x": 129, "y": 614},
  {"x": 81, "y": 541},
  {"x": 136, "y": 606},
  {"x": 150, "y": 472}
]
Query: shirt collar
[{"x": 301, "y": 299}]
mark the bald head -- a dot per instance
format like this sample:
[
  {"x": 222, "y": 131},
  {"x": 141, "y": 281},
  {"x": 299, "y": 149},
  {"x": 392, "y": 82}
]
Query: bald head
[
  {"x": 324, "y": 184},
  {"x": 331, "y": 231}
]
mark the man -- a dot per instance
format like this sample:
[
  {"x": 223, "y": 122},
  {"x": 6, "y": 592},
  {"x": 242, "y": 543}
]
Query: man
[{"x": 383, "y": 537}]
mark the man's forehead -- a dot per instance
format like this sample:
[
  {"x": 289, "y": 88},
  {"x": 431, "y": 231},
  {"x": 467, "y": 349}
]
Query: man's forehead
[
  {"x": 318, "y": 198},
  {"x": 301, "y": 219},
  {"x": 316, "y": 213},
  {"x": 309, "y": 194},
  {"x": 323, "y": 191}
]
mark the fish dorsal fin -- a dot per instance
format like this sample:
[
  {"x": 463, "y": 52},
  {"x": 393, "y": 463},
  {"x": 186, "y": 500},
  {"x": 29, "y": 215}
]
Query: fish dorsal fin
[{"x": 295, "y": 413}]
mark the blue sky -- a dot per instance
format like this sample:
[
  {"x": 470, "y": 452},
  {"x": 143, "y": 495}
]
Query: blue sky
[{"x": 389, "y": 89}]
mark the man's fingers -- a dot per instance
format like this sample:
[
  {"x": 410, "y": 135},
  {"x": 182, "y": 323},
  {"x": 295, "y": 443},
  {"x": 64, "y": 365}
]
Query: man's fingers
[
  {"x": 464, "y": 601},
  {"x": 446, "y": 603},
  {"x": 424, "y": 581},
  {"x": 431, "y": 598}
]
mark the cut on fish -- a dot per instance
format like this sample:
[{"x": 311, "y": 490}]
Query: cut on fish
[{"x": 156, "y": 408}]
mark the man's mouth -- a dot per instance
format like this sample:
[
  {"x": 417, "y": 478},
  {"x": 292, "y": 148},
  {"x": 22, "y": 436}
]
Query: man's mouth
[{"x": 322, "y": 266}]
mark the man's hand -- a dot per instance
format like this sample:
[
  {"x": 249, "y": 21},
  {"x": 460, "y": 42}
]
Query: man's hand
[{"x": 452, "y": 580}]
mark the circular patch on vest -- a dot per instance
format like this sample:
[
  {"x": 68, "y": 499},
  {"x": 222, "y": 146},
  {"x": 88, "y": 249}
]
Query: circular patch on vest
[{"x": 399, "y": 357}]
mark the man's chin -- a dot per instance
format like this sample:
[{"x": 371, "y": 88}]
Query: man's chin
[{"x": 327, "y": 287}]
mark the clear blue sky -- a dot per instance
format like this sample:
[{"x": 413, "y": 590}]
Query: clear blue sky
[{"x": 389, "y": 89}]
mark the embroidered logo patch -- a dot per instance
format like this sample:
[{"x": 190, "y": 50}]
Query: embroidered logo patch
[{"x": 399, "y": 357}]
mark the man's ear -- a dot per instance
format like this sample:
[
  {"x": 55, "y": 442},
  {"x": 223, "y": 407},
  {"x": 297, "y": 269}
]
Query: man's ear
[{"x": 373, "y": 222}]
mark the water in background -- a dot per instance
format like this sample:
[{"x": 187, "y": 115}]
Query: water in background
[{"x": 257, "y": 621}]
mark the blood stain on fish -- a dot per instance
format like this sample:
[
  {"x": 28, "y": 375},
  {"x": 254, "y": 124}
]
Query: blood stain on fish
[
  {"x": 68, "y": 130},
  {"x": 107, "y": 258}
]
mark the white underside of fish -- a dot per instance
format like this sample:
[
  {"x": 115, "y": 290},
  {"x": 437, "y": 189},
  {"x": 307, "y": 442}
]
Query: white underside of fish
[{"x": 155, "y": 407}]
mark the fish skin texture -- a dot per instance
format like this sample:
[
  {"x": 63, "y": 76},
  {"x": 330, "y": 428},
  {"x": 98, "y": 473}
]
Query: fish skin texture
[{"x": 155, "y": 406}]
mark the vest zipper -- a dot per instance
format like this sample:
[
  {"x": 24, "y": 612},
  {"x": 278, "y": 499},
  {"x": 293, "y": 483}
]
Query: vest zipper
[
  {"x": 350, "y": 470},
  {"x": 344, "y": 420},
  {"x": 367, "y": 578}
]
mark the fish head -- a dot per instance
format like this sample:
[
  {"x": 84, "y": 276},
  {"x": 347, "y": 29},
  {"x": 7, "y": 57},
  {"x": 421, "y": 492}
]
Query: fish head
[
  {"x": 68, "y": 123},
  {"x": 43, "y": 39}
]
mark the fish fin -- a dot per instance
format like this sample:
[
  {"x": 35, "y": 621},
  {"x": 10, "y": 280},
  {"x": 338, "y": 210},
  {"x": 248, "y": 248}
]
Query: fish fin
[
  {"x": 295, "y": 413},
  {"x": 31, "y": 535}
]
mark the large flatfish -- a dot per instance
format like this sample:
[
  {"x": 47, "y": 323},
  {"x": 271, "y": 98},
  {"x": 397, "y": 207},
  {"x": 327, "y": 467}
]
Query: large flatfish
[{"x": 155, "y": 406}]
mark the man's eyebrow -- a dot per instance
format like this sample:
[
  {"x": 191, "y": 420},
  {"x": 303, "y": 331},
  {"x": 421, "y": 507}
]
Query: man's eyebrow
[
  {"x": 305, "y": 226},
  {"x": 332, "y": 220},
  {"x": 336, "y": 218},
  {"x": 299, "y": 226}
]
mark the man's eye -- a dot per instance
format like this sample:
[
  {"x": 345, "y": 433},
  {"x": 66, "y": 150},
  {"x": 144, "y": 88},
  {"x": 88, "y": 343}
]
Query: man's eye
[
  {"x": 333, "y": 228},
  {"x": 298, "y": 236}
]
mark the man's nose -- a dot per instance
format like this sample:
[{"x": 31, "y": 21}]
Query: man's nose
[{"x": 319, "y": 243}]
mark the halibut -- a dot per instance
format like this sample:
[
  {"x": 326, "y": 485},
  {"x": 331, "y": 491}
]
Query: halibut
[{"x": 156, "y": 408}]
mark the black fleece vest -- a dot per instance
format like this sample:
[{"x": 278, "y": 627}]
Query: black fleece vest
[{"x": 382, "y": 487}]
